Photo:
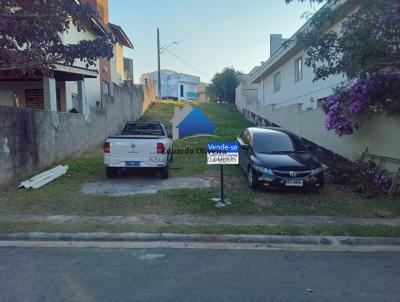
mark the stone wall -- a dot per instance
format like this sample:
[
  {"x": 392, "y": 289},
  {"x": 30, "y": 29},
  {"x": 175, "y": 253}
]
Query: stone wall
[
  {"x": 31, "y": 140},
  {"x": 126, "y": 104}
]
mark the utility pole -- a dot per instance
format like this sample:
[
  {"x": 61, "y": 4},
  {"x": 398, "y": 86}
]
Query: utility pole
[{"x": 159, "y": 64}]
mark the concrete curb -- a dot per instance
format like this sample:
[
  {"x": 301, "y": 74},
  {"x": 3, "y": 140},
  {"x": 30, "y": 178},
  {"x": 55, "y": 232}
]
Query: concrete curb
[{"x": 209, "y": 238}]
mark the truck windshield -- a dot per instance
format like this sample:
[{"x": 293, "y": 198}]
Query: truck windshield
[{"x": 143, "y": 129}]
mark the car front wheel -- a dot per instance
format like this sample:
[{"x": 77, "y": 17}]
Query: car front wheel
[{"x": 251, "y": 179}]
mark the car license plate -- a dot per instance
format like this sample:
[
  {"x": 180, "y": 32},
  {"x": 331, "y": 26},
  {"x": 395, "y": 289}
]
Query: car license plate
[
  {"x": 294, "y": 183},
  {"x": 132, "y": 164}
]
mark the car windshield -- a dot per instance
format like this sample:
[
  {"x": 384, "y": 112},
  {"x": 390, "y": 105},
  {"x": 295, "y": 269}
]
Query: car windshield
[
  {"x": 277, "y": 143},
  {"x": 143, "y": 129}
]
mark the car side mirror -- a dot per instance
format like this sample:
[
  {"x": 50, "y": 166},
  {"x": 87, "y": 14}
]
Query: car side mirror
[
  {"x": 244, "y": 147},
  {"x": 310, "y": 148}
]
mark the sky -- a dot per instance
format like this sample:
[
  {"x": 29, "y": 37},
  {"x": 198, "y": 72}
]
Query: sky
[{"x": 211, "y": 34}]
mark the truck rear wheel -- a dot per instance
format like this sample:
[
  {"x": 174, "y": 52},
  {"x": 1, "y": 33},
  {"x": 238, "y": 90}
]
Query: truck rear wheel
[
  {"x": 164, "y": 172},
  {"x": 111, "y": 172},
  {"x": 171, "y": 156}
]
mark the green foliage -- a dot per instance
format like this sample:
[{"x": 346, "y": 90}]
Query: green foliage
[
  {"x": 31, "y": 40},
  {"x": 363, "y": 177},
  {"x": 229, "y": 125},
  {"x": 224, "y": 85},
  {"x": 19, "y": 225},
  {"x": 358, "y": 39},
  {"x": 366, "y": 43}
]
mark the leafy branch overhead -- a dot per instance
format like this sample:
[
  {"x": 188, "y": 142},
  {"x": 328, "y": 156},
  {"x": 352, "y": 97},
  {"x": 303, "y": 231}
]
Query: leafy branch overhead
[
  {"x": 367, "y": 42},
  {"x": 31, "y": 35},
  {"x": 361, "y": 40}
]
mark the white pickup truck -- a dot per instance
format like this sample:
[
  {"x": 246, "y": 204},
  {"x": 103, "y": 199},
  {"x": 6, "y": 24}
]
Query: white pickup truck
[{"x": 140, "y": 145}]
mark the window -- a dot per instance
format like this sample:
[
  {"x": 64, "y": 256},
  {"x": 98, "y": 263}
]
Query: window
[
  {"x": 74, "y": 101},
  {"x": 298, "y": 69},
  {"x": 181, "y": 91},
  {"x": 34, "y": 98},
  {"x": 277, "y": 143},
  {"x": 143, "y": 129},
  {"x": 6, "y": 98},
  {"x": 277, "y": 82},
  {"x": 105, "y": 88},
  {"x": 245, "y": 136}
]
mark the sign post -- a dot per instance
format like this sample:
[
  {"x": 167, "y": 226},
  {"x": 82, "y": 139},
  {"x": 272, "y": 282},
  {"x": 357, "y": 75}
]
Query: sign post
[{"x": 222, "y": 153}]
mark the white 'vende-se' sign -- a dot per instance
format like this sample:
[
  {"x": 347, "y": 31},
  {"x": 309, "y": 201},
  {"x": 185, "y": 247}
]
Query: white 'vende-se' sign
[{"x": 222, "y": 153}]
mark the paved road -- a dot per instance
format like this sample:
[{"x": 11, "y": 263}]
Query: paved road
[{"x": 94, "y": 274}]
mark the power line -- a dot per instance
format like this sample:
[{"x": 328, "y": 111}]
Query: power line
[
  {"x": 145, "y": 58},
  {"x": 311, "y": 92},
  {"x": 188, "y": 64}
]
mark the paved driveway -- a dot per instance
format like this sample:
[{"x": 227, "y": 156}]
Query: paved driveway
[{"x": 146, "y": 184}]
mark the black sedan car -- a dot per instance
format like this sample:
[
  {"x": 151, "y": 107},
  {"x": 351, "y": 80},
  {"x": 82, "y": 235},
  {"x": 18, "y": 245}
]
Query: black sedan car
[{"x": 272, "y": 157}]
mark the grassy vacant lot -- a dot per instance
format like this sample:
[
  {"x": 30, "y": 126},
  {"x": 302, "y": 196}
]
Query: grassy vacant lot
[
  {"x": 63, "y": 196},
  {"x": 229, "y": 125}
]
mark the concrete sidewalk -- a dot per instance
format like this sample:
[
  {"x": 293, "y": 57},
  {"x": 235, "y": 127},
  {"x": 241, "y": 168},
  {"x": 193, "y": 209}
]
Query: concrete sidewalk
[
  {"x": 232, "y": 220},
  {"x": 339, "y": 243}
]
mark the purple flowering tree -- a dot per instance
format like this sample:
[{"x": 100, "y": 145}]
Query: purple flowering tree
[
  {"x": 379, "y": 93},
  {"x": 366, "y": 50}
]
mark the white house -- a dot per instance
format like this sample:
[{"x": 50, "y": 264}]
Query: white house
[
  {"x": 282, "y": 92},
  {"x": 174, "y": 85},
  {"x": 247, "y": 92},
  {"x": 284, "y": 79}
]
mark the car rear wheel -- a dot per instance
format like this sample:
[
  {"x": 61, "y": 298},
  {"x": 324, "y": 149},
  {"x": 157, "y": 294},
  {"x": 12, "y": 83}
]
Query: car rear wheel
[
  {"x": 111, "y": 172},
  {"x": 251, "y": 179}
]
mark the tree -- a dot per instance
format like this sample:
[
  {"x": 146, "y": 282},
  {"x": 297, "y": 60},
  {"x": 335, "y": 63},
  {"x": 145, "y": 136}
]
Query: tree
[
  {"x": 30, "y": 35},
  {"x": 224, "y": 84},
  {"x": 366, "y": 49},
  {"x": 368, "y": 42}
]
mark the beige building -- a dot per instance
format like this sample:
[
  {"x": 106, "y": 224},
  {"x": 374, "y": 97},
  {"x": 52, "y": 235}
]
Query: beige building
[
  {"x": 120, "y": 68},
  {"x": 202, "y": 90}
]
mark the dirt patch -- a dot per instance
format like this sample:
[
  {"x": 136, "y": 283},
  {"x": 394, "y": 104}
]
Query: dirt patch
[
  {"x": 264, "y": 203},
  {"x": 229, "y": 181},
  {"x": 127, "y": 187}
]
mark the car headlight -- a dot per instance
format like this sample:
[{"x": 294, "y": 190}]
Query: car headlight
[
  {"x": 316, "y": 171},
  {"x": 263, "y": 170}
]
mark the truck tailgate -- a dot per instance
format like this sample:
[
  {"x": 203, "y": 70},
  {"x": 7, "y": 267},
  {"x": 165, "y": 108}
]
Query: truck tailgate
[{"x": 135, "y": 151}]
